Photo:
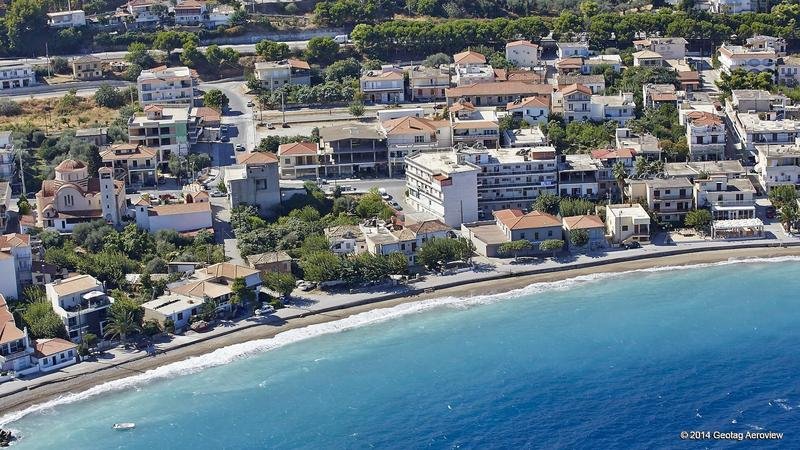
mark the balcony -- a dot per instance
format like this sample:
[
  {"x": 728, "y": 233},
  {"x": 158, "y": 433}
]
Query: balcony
[{"x": 88, "y": 305}]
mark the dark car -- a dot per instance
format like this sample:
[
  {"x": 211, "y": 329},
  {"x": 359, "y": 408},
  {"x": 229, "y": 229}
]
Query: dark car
[
  {"x": 633, "y": 244},
  {"x": 771, "y": 212}
]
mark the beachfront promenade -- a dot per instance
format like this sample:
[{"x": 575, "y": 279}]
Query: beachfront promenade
[{"x": 304, "y": 304}]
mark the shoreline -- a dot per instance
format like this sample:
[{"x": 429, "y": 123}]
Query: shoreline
[{"x": 82, "y": 382}]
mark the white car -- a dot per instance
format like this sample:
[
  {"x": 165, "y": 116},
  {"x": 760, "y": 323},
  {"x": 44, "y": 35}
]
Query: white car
[
  {"x": 341, "y": 39},
  {"x": 265, "y": 310}
]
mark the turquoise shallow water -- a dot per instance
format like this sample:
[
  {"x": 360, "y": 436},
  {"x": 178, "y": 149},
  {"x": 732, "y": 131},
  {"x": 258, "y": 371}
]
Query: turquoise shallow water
[{"x": 626, "y": 361}]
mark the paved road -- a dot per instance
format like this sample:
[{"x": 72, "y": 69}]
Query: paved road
[{"x": 83, "y": 89}]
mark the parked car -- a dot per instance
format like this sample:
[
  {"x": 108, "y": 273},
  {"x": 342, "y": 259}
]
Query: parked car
[
  {"x": 270, "y": 126},
  {"x": 771, "y": 212},
  {"x": 386, "y": 197},
  {"x": 632, "y": 244},
  {"x": 395, "y": 205},
  {"x": 266, "y": 309},
  {"x": 239, "y": 148},
  {"x": 217, "y": 193},
  {"x": 341, "y": 39},
  {"x": 250, "y": 104},
  {"x": 285, "y": 125}
]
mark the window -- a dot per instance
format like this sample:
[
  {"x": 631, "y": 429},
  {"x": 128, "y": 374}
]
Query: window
[
  {"x": 180, "y": 315},
  {"x": 550, "y": 233},
  {"x": 624, "y": 228}
]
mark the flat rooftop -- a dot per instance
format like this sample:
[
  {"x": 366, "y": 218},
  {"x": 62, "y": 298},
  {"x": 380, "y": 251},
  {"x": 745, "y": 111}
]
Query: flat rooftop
[
  {"x": 440, "y": 162},
  {"x": 488, "y": 233}
]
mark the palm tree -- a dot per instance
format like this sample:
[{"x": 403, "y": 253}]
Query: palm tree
[
  {"x": 122, "y": 324},
  {"x": 620, "y": 173},
  {"x": 788, "y": 216}
]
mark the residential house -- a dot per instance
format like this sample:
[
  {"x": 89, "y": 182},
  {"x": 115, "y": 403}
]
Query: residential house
[
  {"x": 570, "y": 49},
  {"x": 533, "y": 110},
  {"x": 5, "y": 203},
  {"x": 134, "y": 163},
  {"x": 81, "y": 303},
  {"x": 353, "y": 149},
  {"x": 16, "y": 247},
  {"x": 166, "y": 86},
  {"x": 620, "y": 108},
  {"x": 667, "y": 47},
  {"x": 346, "y": 239},
  {"x": 612, "y": 61},
  {"x": 17, "y": 76},
  {"x": 227, "y": 273},
  {"x": 93, "y": 136},
  {"x": 275, "y": 74},
  {"x": 254, "y": 180},
  {"x": 471, "y": 68},
  {"x": 220, "y": 16},
  {"x": 570, "y": 66},
  {"x": 74, "y": 197},
  {"x": 428, "y": 83},
  {"x": 698, "y": 169},
  {"x": 626, "y": 223},
  {"x": 595, "y": 83},
  {"x": 524, "y": 138},
  {"x": 689, "y": 80},
  {"x": 191, "y": 214},
  {"x": 410, "y": 134},
  {"x": 190, "y": 12},
  {"x": 54, "y": 354},
  {"x": 788, "y": 70},
  {"x": 472, "y": 126},
  {"x": 534, "y": 227},
  {"x": 299, "y": 159},
  {"x": 173, "y": 307},
  {"x": 705, "y": 133},
  {"x": 142, "y": 13},
  {"x": 727, "y": 199},
  {"x": 777, "y": 165},
  {"x": 732, "y": 57},
  {"x": 761, "y": 42},
  {"x": 522, "y": 53},
  {"x": 384, "y": 86},
  {"x": 579, "y": 176},
  {"x": 594, "y": 227},
  {"x": 15, "y": 344},
  {"x": 87, "y": 67},
  {"x": 383, "y": 241},
  {"x": 66, "y": 19},
  {"x": 669, "y": 199},
  {"x": 170, "y": 129},
  {"x": 6, "y": 158},
  {"x": 655, "y": 95},
  {"x": 647, "y": 58},
  {"x": 440, "y": 185},
  {"x": 511, "y": 178},
  {"x": 271, "y": 262},
  {"x": 607, "y": 183},
  {"x": 573, "y": 102},
  {"x": 643, "y": 144},
  {"x": 497, "y": 94}
]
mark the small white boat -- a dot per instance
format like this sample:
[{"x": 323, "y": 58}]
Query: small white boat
[{"x": 124, "y": 426}]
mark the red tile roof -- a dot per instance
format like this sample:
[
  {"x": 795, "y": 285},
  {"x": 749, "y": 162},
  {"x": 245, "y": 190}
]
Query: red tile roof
[
  {"x": 515, "y": 219},
  {"x": 298, "y": 148}
]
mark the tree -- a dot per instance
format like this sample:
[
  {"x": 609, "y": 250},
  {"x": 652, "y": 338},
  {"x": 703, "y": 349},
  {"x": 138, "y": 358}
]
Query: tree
[
  {"x": 321, "y": 50},
  {"x": 356, "y": 109},
  {"x": 551, "y": 245},
  {"x": 699, "y": 219},
  {"x": 215, "y": 98},
  {"x": 620, "y": 173},
  {"x": 239, "y": 18},
  {"x": 121, "y": 324},
  {"x": 783, "y": 195},
  {"x": 109, "y": 97},
  {"x": 515, "y": 247},
  {"x": 191, "y": 56},
  {"x": 575, "y": 207},
  {"x": 321, "y": 266},
  {"x": 272, "y": 51},
  {"x": 342, "y": 69},
  {"x": 50, "y": 239},
  {"x": 43, "y": 322},
  {"x": 788, "y": 216},
  {"x": 579, "y": 238},
  {"x": 138, "y": 55},
  {"x": 437, "y": 252},
  {"x": 437, "y": 59},
  {"x": 25, "y": 22},
  {"x": 167, "y": 41},
  {"x": 282, "y": 283},
  {"x": 240, "y": 294},
  {"x": 546, "y": 202}
]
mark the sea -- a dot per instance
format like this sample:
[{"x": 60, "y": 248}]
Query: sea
[{"x": 702, "y": 356}]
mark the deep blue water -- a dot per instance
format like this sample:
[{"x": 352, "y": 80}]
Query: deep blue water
[{"x": 627, "y": 361}]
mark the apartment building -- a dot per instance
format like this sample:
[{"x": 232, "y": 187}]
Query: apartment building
[
  {"x": 166, "y": 86},
  {"x": 428, "y": 83},
  {"x": 522, "y": 53},
  {"x": 5, "y": 203},
  {"x": 142, "y": 13},
  {"x": 471, "y": 68},
  {"x": 254, "y": 180},
  {"x": 655, "y": 95},
  {"x": 87, "y": 67},
  {"x": 66, "y": 19},
  {"x": 732, "y": 57},
  {"x": 669, "y": 199},
  {"x": 383, "y": 86},
  {"x": 440, "y": 185},
  {"x": 777, "y": 165},
  {"x": 406, "y": 135},
  {"x": 705, "y": 133},
  {"x": 667, "y": 47},
  {"x": 533, "y": 110},
  {"x": 728, "y": 199},
  {"x": 579, "y": 176},
  {"x": 133, "y": 163},
  {"x": 573, "y": 102},
  {"x": 595, "y": 83},
  {"x": 299, "y": 159},
  {"x": 497, "y": 94},
  {"x": 471, "y": 126},
  {"x": 17, "y": 76},
  {"x": 275, "y": 74},
  {"x": 620, "y": 108},
  {"x": 627, "y": 222},
  {"x": 190, "y": 12},
  {"x": 644, "y": 144},
  {"x": 81, "y": 303},
  {"x": 353, "y": 149},
  {"x": 170, "y": 129},
  {"x": 730, "y": 6},
  {"x": 788, "y": 70},
  {"x": 761, "y": 42},
  {"x": 7, "y": 167},
  {"x": 511, "y": 178}
]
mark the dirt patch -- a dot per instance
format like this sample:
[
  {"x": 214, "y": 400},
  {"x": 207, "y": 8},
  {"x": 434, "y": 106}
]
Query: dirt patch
[{"x": 56, "y": 114}]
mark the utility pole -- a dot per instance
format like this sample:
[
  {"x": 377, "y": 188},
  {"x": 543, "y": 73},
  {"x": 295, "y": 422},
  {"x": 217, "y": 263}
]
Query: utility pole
[
  {"x": 22, "y": 174},
  {"x": 283, "y": 108}
]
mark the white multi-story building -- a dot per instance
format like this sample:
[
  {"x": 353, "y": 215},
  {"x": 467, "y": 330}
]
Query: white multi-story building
[
  {"x": 143, "y": 12},
  {"x": 667, "y": 47},
  {"x": 573, "y": 102},
  {"x": 6, "y": 155},
  {"x": 522, "y": 53},
  {"x": 762, "y": 42},
  {"x": 440, "y": 185},
  {"x": 191, "y": 214},
  {"x": 620, "y": 108},
  {"x": 275, "y": 74},
  {"x": 572, "y": 49},
  {"x": 383, "y": 86},
  {"x": 789, "y": 70},
  {"x": 254, "y": 180},
  {"x": 647, "y": 58},
  {"x": 511, "y": 178},
  {"x": 643, "y": 144},
  {"x": 407, "y": 135},
  {"x": 732, "y": 57},
  {"x": 66, "y": 19},
  {"x": 428, "y": 83},
  {"x": 731, "y": 6},
  {"x": 170, "y": 129},
  {"x": 472, "y": 126},
  {"x": 471, "y": 68},
  {"x": 627, "y": 222},
  {"x": 777, "y": 165},
  {"x": 166, "y": 85},
  {"x": 81, "y": 303},
  {"x": 670, "y": 199},
  {"x": 380, "y": 240},
  {"x": 705, "y": 133},
  {"x": 17, "y": 76},
  {"x": 533, "y": 110},
  {"x": 728, "y": 199},
  {"x": 579, "y": 176},
  {"x": 190, "y": 12}
]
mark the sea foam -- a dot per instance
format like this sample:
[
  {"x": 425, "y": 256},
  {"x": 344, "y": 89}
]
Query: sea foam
[{"x": 237, "y": 351}]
